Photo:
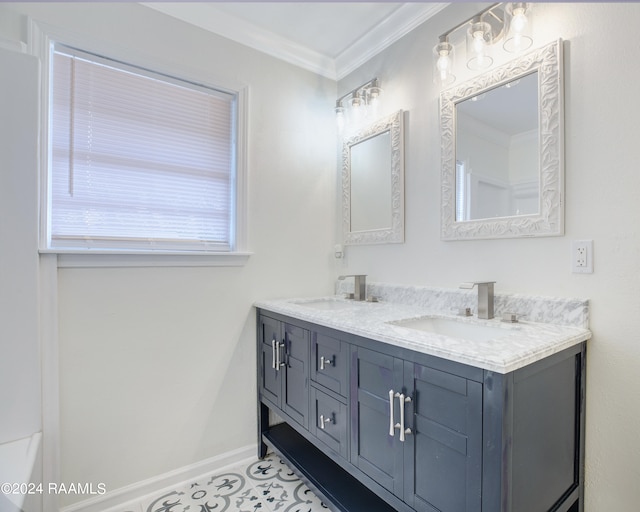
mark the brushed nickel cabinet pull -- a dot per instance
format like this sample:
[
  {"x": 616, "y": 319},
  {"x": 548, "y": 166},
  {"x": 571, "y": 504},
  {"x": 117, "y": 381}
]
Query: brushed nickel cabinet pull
[
  {"x": 403, "y": 431},
  {"x": 273, "y": 354},
  {"x": 391, "y": 420},
  {"x": 324, "y": 362}
]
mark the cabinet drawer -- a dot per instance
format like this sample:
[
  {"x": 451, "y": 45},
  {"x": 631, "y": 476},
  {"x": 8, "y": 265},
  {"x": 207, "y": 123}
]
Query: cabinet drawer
[
  {"x": 329, "y": 359},
  {"x": 329, "y": 421}
]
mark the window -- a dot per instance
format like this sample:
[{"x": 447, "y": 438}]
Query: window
[
  {"x": 138, "y": 160},
  {"x": 461, "y": 192}
]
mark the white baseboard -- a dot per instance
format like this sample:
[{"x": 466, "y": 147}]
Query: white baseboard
[{"x": 172, "y": 479}]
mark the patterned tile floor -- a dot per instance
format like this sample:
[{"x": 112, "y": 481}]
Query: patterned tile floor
[{"x": 262, "y": 486}]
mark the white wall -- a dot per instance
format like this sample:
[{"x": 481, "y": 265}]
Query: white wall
[
  {"x": 602, "y": 109},
  {"x": 157, "y": 365}
]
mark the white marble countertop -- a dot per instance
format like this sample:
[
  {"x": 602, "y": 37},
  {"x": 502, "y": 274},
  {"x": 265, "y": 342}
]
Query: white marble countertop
[{"x": 523, "y": 343}]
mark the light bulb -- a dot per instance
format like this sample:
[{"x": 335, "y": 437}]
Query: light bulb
[
  {"x": 479, "y": 37},
  {"x": 339, "y": 110},
  {"x": 374, "y": 106},
  {"x": 340, "y": 121},
  {"x": 518, "y": 37},
  {"x": 519, "y": 21},
  {"x": 478, "y": 48},
  {"x": 373, "y": 96},
  {"x": 443, "y": 63},
  {"x": 356, "y": 101},
  {"x": 478, "y": 42},
  {"x": 518, "y": 24}
]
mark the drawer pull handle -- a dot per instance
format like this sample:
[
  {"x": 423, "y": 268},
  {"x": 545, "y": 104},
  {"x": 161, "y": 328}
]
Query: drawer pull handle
[
  {"x": 273, "y": 354},
  {"x": 324, "y": 421},
  {"x": 325, "y": 362},
  {"x": 403, "y": 431},
  {"x": 279, "y": 362}
]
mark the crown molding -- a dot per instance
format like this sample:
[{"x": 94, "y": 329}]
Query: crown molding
[
  {"x": 398, "y": 24},
  {"x": 212, "y": 19},
  {"x": 208, "y": 17}
]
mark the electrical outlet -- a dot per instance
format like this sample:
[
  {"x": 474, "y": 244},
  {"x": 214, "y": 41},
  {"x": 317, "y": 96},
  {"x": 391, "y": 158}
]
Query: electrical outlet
[{"x": 582, "y": 257}]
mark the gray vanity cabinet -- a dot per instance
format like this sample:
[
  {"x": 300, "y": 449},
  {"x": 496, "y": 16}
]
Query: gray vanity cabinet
[
  {"x": 375, "y": 427},
  {"x": 284, "y": 362},
  {"x": 417, "y": 431}
]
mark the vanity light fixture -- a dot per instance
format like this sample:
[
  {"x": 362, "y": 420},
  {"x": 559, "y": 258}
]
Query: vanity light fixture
[
  {"x": 358, "y": 101},
  {"x": 501, "y": 21}
]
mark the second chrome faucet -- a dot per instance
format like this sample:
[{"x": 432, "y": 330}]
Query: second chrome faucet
[{"x": 359, "y": 286}]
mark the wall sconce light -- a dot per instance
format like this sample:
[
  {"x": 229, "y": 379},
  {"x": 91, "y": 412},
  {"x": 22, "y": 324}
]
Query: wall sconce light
[
  {"x": 502, "y": 21},
  {"x": 360, "y": 102}
]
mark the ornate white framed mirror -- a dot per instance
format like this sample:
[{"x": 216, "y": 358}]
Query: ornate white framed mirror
[
  {"x": 373, "y": 183},
  {"x": 503, "y": 151}
]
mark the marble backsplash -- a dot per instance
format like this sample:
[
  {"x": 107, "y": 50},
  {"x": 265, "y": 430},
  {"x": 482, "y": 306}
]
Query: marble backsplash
[{"x": 551, "y": 310}]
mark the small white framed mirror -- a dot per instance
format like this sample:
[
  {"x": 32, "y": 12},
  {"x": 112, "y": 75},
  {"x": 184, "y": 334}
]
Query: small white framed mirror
[
  {"x": 503, "y": 151},
  {"x": 373, "y": 183}
]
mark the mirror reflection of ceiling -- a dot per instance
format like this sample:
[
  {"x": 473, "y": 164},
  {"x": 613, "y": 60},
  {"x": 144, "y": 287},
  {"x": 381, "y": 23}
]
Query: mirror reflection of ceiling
[
  {"x": 507, "y": 112},
  {"x": 329, "y": 38}
]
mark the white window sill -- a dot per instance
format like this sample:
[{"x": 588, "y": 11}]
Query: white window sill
[{"x": 101, "y": 258}]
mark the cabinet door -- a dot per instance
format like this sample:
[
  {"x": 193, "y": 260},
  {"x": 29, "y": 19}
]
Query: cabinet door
[
  {"x": 295, "y": 392},
  {"x": 373, "y": 450},
  {"x": 443, "y": 456},
  {"x": 270, "y": 373}
]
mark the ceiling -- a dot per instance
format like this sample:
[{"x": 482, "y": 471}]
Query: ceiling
[{"x": 328, "y": 38}]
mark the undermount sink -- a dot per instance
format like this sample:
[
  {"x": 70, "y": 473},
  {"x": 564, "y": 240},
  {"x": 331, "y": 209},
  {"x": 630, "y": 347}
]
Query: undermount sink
[
  {"x": 328, "y": 304},
  {"x": 454, "y": 328}
]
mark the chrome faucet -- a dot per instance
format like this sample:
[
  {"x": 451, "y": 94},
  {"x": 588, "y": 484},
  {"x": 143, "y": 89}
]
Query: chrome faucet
[
  {"x": 359, "y": 286},
  {"x": 485, "y": 297}
]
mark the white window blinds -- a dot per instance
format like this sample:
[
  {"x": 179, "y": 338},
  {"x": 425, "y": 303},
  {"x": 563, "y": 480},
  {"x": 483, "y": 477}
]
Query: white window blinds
[{"x": 138, "y": 160}]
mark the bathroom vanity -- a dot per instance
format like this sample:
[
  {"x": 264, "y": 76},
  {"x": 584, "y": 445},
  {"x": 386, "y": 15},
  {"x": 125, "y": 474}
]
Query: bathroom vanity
[{"x": 399, "y": 405}]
